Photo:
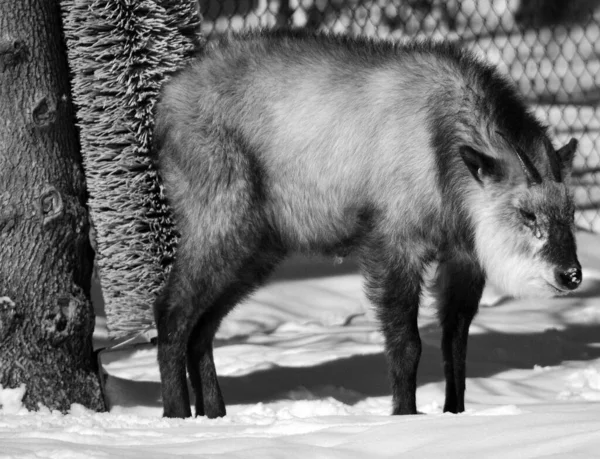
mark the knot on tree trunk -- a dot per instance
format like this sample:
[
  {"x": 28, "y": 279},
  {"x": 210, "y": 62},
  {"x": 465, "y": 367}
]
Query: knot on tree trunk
[
  {"x": 8, "y": 317},
  {"x": 44, "y": 112},
  {"x": 60, "y": 323},
  {"x": 12, "y": 52},
  {"x": 51, "y": 204},
  {"x": 8, "y": 216}
]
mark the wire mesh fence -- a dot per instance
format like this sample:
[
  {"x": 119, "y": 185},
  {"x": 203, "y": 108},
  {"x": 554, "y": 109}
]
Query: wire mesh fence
[{"x": 550, "y": 48}]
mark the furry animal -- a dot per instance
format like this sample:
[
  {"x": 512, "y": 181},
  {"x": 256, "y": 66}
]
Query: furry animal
[{"x": 401, "y": 155}]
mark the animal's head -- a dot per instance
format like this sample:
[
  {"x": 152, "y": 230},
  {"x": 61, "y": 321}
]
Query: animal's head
[
  {"x": 500, "y": 172},
  {"x": 522, "y": 213}
]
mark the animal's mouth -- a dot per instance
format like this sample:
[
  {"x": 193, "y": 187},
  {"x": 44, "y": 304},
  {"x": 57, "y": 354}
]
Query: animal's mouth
[{"x": 557, "y": 290}]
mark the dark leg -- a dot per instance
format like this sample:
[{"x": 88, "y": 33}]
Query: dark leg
[
  {"x": 203, "y": 376},
  {"x": 394, "y": 287},
  {"x": 200, "y": 363},
  {"x": 194, "y": 290},
  {"x": 215, "y": 186},
  {"x": 174, "y": 314},
  {"x": 459, "y": 287},
  {"x": 201, "y": 369}
]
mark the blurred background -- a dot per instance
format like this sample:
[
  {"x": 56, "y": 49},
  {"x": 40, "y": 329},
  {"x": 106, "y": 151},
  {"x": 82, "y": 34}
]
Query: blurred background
[{"x": 550, "y": 48}]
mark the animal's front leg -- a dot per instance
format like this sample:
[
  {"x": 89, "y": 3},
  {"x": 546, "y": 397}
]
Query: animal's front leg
[
  {"x": 395, "y": 290},
  {"x": 403, "y": 349},
  {"x": 459, "y": 287}
]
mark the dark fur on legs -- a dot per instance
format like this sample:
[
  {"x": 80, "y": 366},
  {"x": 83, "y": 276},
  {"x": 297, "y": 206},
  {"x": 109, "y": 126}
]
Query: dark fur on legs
[
  {"x": 172, "y": 351},
  {"x": 460, "y": 285},
  {"x": 393, "y": 285},
  {"x": 188, "y": 327},
  {"x": 201, "y": 367},
  {"x": 203, "y": 376}
]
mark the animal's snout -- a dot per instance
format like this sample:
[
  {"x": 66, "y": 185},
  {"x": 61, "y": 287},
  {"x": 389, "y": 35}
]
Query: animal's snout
[{"x": 570, "y": 278}]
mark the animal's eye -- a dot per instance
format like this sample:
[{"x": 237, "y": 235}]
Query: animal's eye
[{"x": 529, "y": 217}]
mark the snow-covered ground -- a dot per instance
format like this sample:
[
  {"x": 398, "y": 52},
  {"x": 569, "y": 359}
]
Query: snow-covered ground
[{"x": 303, "y": 373}]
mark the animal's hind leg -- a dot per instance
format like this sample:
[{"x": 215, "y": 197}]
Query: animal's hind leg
[
  {"x": 459, "y": 287},
  {"x": 214, "y": 243},
  {"x": 201, "y": 367},
  {"x": 215, "y": 187},
  {"x": 172, "y": 313},
  {"x": 394, "y": 286},
  {"x": 194, "y": 289}
]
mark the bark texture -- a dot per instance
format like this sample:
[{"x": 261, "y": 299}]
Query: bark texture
[{"x": 46, "y": 317}]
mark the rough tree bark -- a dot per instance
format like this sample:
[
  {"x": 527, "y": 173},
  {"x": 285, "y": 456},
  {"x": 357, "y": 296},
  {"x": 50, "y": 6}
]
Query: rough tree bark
[{"x": 46, "y": 317}]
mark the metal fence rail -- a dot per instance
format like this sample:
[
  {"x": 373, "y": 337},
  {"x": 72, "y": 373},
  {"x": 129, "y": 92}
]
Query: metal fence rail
[{"x": 550, "y": 48}]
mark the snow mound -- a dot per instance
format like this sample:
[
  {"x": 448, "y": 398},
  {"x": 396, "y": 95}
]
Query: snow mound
[{"x": 11, "y": 400}]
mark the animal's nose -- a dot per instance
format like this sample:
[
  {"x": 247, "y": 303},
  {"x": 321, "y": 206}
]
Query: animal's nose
[{"x": 569, "y": 279}]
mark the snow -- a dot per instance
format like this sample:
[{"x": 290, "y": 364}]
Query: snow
[
  {"x": 303, "y": 373},
  {"x": 10, "y": 399}
]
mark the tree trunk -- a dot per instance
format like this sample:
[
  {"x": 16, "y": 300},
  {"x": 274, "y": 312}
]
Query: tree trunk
[{"x": 46, "y": 317}]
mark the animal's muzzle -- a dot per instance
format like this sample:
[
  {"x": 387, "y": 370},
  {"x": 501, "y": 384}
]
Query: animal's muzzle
[{"x": 570, "y": 278}]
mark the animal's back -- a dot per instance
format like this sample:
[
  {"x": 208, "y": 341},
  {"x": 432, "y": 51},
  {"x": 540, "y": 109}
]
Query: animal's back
[
  {"x": 336, "y": 125},
  {"x": 279, "y": 142}
]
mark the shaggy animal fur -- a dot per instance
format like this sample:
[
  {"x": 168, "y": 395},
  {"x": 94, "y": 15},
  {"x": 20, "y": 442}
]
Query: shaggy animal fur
[{"x": 280, "y": 142}]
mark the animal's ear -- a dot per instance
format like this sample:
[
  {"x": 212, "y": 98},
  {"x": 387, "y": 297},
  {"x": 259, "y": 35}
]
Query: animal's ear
[
  {"x": 566, "y": 155},
  {"x": 482, "y": 167}
]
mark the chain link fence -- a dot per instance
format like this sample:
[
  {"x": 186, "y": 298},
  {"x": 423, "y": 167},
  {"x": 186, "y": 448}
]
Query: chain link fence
[{"x": 550, "y": 48}]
